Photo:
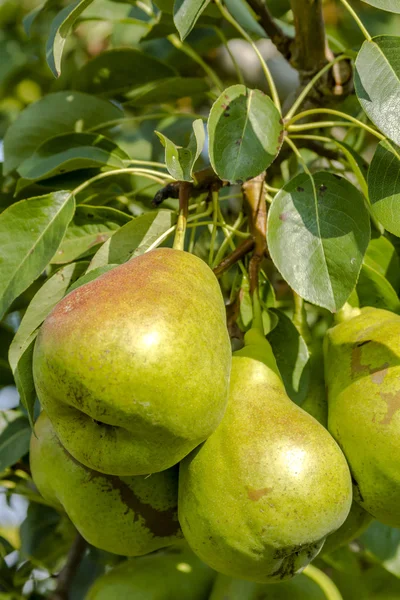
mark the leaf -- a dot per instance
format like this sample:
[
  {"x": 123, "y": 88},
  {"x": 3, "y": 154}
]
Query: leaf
[
  {"x": 383, "y": 542},
  {"x": 30, "y": 233},
  {"x": 374, "y": 290},
  {"x": 180, "y": 161},
  {"x": 90, "y": 226},
  {"x": 51, "y": 292},
  {"x": 23, "y": 376},
  {"x": 377, "y": 83},
  {"x": 318, "y": 232},
  {"x": 384, "y": 186},
  {"x": 14, "y": 442},
  {"x": 119, "y": 70},
  {"x": 166, "y": 90},
  {"x": 90, "y": 276},
  {"x": 292, "y": 355},
  {"x": 59, "y": 31},
  {"x": 54, "y": 114},
  {"x": 245, "y": 133},
  {"x": 389, "y": 5},
  {"x": 186, "y": 13},
  {"x": 134, "y": 238},
  {"x": 70, "y": 152},
  {"x": 381, "y": 255},
  {"x": 239, "y": 9}
]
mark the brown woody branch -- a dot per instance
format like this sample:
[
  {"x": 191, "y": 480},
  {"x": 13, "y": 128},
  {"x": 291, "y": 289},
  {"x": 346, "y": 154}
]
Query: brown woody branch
[
  {"x": 275, "y": 33},
  {"x": 68, "y": 572},
  {"x": 254, "y": 196},
  {"x": 244, "y": 248}
]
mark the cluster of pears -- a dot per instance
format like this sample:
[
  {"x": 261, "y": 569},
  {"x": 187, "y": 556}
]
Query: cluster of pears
[{"x": 134, "y": 373}]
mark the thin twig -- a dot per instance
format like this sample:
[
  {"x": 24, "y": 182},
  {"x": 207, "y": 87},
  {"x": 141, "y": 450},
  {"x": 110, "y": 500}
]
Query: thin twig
[
  {"x": 68, "y": 572},
  {"x": 274, "y": 32},
  {"x": 244, "y": 248}
]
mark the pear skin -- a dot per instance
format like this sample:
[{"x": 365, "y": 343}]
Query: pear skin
[
  {"x": 299, "y": 588},
  {"x": 133, "y": 367},
  {"x": 362, "y": 372},
  {"x": 173, "y": 574},
  {"x": 259, "y": 497},
  {"x": 125, "y": 515}
]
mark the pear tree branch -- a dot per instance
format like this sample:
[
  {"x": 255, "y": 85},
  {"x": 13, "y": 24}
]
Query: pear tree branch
[
  {"x": 277, "y": 36},
  {"x": 68, "y": 572},
  {"x": 254, "y": 196},
  {"x": 226, "y": 263}
]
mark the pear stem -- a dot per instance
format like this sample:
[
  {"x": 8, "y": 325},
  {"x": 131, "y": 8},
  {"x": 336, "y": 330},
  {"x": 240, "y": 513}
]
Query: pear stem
[
  {"x": 185, "y": 189},
  {"x": 325, "y": 583}
]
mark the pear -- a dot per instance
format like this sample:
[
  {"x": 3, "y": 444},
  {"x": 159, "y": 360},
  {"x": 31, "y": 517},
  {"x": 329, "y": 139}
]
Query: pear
[
  {"x": 125, "y": 515},
  {"x": 133, "y": 367},
  {"x": 300, "y": 588},
  {"x": 259, "y": 497},
  {"x": 363, "y": 381},
  {"x": 174, "y": 574}
]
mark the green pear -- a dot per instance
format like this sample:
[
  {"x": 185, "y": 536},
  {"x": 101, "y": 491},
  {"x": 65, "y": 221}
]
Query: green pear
[
  {"x": 125, "y": 515},
  {"x": 316, "y": 404},
  {"x": 363, "y": 381},
  {"x": 259, "y": 497},
  {"x": 133, "y": 367},
  {"x": 299, "y": 588},
  {"x": 173, "y": 574}
]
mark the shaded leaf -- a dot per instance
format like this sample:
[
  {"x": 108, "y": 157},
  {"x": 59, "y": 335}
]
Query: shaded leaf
[
  {"x": 134, "y": 238},
  {"x": 373, "y": 289},
  {"x": 381, "y": 255},
  {"x": 245, "y": 133},
  {"x": 70, "y": 152},
  {"x": 384, "y": 186},
  {"x": 383, "y": 542},
  {"x": 23, "y": 375},
  {"x": 90, "y": 227},
  {"x": 377, "y": 83},
  {"x": 292, "y": 355},
  {"x": 389, "y": 5},
  {"x": 119, "y": 70},
  {"x": 51, "y": 292},
  {"x": 54, "y": 114},
  {"x": 318, "y": 232},
  {"x": 14, "y": 442},
  {"x": 166, "y": 90},
  {"x": 30, "y": 233},
  {"x": 180, "y": 161},
  {"x": 186, "y": 13},
  {"x": 60, "y": 28}
]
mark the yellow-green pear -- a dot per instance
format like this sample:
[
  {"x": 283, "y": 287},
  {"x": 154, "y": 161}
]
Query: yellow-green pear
[
  {"x": 299, "y": 588},
  {"x": 133, "y": 367},
  {"x": 173, "y": 574},
  {"x": 363, "y": 380},
  {"x": 125, "y": 515},
  {"x": 259, "y": 497}
]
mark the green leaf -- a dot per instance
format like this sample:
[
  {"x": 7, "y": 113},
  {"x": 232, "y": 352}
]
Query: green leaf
[
  {"x": 120, "y": 70},
  {"x": 186, "y": 13},
  {"x": 59, "y": 31},
  {"x": 54, "y": 114},
  {"x": 69, "y": 152},
  {"x": 23, "y": 376},
  {"x": 384, "y": 186},
  {"x": 389, "y": 5},
  {"x": 90, "y": 227},
  {"x": 14, "y": 442},
  {"x": 239, "y": 9},
  {"x": 374, "y": 290},
  {"x": 318, "y": 232},
  {"x": 377, "y": 83},
  {"x": 381, "y": 255},
  {"x": 30, "y": 233},
  {"x": 180, "y": 161},
  {"x": 90, "y": 276},
  {"x": 51, "y": 292},
  {"x": 383, "y": 542},
  {"x": 292, "y": 355},
  {"x": 134, "y": 238},
  {"x": 166, "y": 90},
  {"x": 245, "y": 133}
]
